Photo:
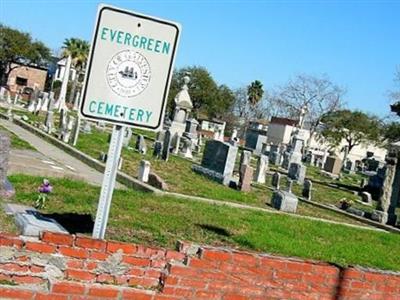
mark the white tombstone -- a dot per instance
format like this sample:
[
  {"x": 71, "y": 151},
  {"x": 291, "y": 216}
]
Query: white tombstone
[
  {"x": 144, "y": 170},
  {"x": 32, "y": 106},
  {"x": 45, "y": 102},
  {"x": 262, "y": 165},
  {"x": 77, "y": 99},
  {"x": 64, "y": 85}
]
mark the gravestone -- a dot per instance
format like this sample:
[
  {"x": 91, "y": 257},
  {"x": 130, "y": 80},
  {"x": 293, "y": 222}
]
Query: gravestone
[
  {"x": 245, "y": 158},
  {"x": 245, "y": 178},
  {"x": 366, "y": 198},
  {"x": 158, "y": 148},
  {"x": 276, "y": 180},
  {"x": 218, "y": 161},
  {"x": 66, "y": 133},
  {"x": 127, "y": 137},
  {"x": 49, "y": 121},
  {"x": 141, "y": 144},
  {"x": 177, "y": 142},
  {"x": 187, "y": 148},
  {"x": 262, "y": 166},
  {"x": 289, "y": 185},
  {"x": 285, "y": 160},
  {"x": 307, "y": 188},
  {"x": 6, "y": 188},
  {"x": 166, "y": 146},
  {"x": 274, "y": 158},
  {"x": 333, "y": 165},
  {"x": 284, "y": 201},
  {"x": 144, "y": 170},
  {"x": 33, "y": 223},
  {"x": 297, "y": 171}
]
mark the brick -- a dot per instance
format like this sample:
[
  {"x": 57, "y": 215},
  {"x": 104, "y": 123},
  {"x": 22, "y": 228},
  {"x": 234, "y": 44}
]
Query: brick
[
  {"x": 354, "y": 274},
  {"x": 136, "y": 261},
  {"x": 73, "y": 252},
  {"x": 234, "y": 297},
  {"x": 26, "y": 279},
  {"x": 143, "y": 282},
  {"x": 22, "y": 258},
  {"x": 91, "y": 265},
  {"x": 299, "y": 267},
  {"x": 136, "y": 294},
  {"x": 182, "y": 292},
  {"x": 183, "y": 271},
  {"x": 204, "y": 264},
  {"x": 136, "y": 272},
  {"x": 126, "y": 248},
  {"x": 150, "y": 252},
  {"x": 188, "y": 282},
  {"x": 37, "y": 269},
  {"x": 207, "y": 295},
  {"x": 105, "y": 278},
  {"x": 57, "y": 238},
  {"x": 44, "y": 296},
  {"x": 273, "y": 263},
  {"x": 245, "y": 259},
  {"x": 171, "y": 280},
  {"x": 121, "y": 280},
  {"x": 103, "y": 292},
  {"x": 89, "y": 243},
  {"x": 158, "y": 263},
  {"x": 224, "y": 286},
  {"x": 326, "y": 270},
  {"x": 215, "y": 255},
  {"x": 75, "y": 264},
  {"x": 375, "y": 277},
  {"x": 166, "y": 297},
  {"x": 5, "y": 277},
  {"x": 98, "y": 255},
  {"x": 80, "y": 275},
  {"x": 11, "y": 267},
  {"x": 175, "y": 255},
  {"x": 40, "y": 247},
  {"x": 11, "y": 241},
  {"x": 9, "y": 293},
  {"x": 68, "y": 288},
  {"x": 288, "y": 275},
  {"x": 152, "y": 273}
]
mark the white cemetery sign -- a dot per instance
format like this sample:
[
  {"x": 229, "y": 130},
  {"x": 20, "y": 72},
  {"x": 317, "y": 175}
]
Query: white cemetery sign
[
  {"x": 129, "y": 68},
  {"x": 127, "y": 80}
]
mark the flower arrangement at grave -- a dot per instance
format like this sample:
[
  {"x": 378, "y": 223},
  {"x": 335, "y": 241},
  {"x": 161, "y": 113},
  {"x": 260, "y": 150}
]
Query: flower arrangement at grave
[
  {"x": 44, "y": 189},
  {"x": 345, "y": 203}
]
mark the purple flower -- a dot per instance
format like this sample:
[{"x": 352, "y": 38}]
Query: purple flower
[{"x": 45, "y": 187}]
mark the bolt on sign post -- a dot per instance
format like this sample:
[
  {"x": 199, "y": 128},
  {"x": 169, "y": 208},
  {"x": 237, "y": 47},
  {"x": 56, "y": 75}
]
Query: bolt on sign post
[{"x": 126, "y": 83}]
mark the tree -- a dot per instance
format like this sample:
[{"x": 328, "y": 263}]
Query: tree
[
  {"x": 391, "y": 132},
  {"x": 318, "y": 96},
  {"x": 354, "y": 127},
  {"x": 18, "y": 47},
  {"x": 255, "y": 92},
  {"x": 78, "y": 49},
  {"x": 207, "y": 97}
]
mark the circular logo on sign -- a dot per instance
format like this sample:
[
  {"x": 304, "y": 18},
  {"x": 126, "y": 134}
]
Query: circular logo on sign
[{"x": 128, "y": 73}]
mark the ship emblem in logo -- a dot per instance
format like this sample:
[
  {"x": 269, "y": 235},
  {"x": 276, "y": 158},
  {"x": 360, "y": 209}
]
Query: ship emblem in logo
[{"x": 128, "y": 73}]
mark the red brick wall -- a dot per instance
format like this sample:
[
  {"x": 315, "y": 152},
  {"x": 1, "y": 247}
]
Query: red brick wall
[
  {"x": 33, "y": 75},
  {"x": 76, "y": 267}
]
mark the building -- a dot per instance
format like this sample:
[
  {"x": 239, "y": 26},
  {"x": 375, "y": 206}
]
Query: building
[
  {"x": 22, "y": 77},
  {"x": 280, "y": 130}
]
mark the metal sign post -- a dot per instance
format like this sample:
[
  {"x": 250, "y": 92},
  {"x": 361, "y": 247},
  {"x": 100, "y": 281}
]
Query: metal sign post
[
  {"x": 127, "y": 80},
  {"x": 107, "y": 188}
]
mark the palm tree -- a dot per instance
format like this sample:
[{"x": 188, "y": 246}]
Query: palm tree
[
  {"x": 78, "y": 49},
  {"x": 255, "y": 92}
]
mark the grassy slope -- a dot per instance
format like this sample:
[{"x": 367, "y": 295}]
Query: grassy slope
[
  {"x": 145, "y": 218},
  {"x": 16, "y": 142}
]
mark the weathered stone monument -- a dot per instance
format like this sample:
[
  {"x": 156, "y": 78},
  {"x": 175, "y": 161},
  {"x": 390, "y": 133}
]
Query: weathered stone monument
[
  {"x": 297, "y": 171},
  {"x": 307, "y": 187},
  {"x": 218, "y": 161},
  {"x": 366, "y": 198},
  {"x": 245, "y": 158},
  {"x": 6, "y": 189},
  {"x": 333, "y": 165},
  {"x": 127, "y": 137},
  {"x": 158, "y": 147},
  {"x": 256, "y": 137},
  {"x": 166, "y": 145},
  {"x": 141, "y": 144},
  {"x": 245, "y": 178},
  {"x": 284, "y": 201},
  {"x": 261, "y": 170},
  {"x": 144, "y": 170},
  {"x": 276, "y": 180}
]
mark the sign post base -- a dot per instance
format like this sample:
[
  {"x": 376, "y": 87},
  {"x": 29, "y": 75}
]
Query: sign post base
[{"x": 107, "y": 188}]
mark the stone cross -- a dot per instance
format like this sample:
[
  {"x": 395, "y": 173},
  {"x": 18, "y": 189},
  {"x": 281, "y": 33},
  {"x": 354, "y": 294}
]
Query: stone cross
[
  {"x": 307, "y": 187},
  {"x": 276, "y": 180},
  {"x": 144, "y": 171},
  {"x": 262, "y": 166}
]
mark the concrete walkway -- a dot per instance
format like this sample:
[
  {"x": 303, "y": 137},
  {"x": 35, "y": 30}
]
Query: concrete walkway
[{"x": 59, "y": 163}]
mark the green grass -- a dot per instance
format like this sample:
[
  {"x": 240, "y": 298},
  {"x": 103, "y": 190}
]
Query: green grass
[
  {"x": 159, "y": 220},
  {"x": 16, "y": 142}
]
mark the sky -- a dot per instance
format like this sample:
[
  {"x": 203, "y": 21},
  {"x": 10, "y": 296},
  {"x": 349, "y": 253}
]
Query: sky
[{"x": 355, "y": 43}]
